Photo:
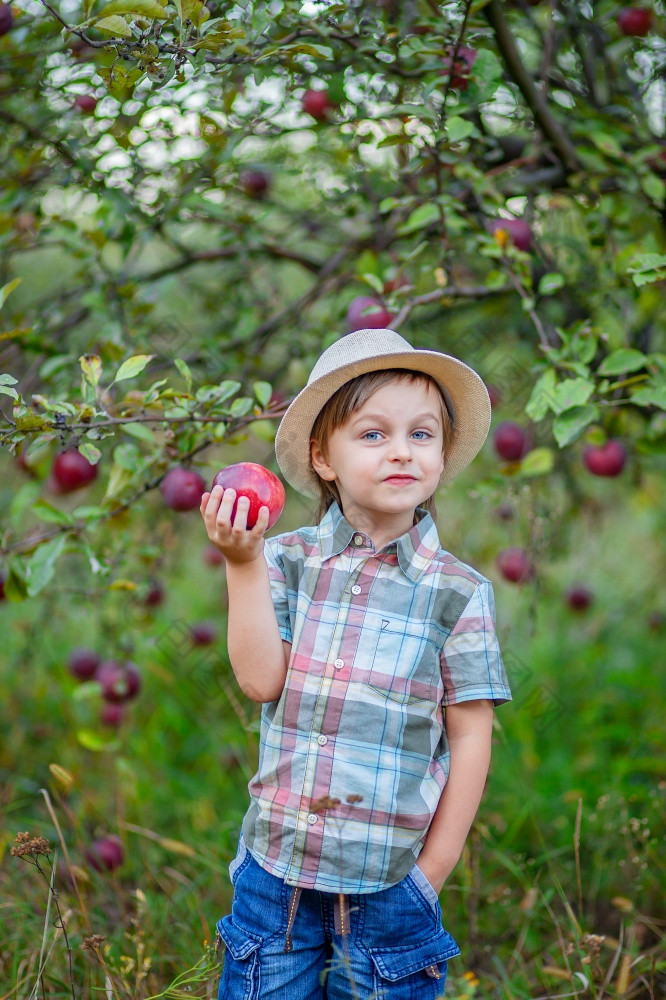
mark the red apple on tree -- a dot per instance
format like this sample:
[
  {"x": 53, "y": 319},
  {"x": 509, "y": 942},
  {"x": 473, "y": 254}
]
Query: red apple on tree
[
  {"x": 106, "y": 854},
  {"x": 515, "y": 565},
  {"x": 261, "y": 486},
  {"x": 112, "y": 714},
  {"x": 83, "y": 664},
  {"x": 120, "y": 681},
  {"x": 511, "y": 441},
  {"x": 71, "y": 470},
  {"x": 366, "y": 313},
  {"x": 203, "y": 633},
  {"x": 212, "y": 556},
  {"x": 462, "y": 66},
  {"x": 517, "y": 230},
  {"x": 86, "y": 103},
  {"x": 318, "y": 104},
  {"x": 155, "y": 595},
  {"x": 6, "y": 18},
  {"x": 182, "y": 489},
  {"x": 579, "y": 597},
  {"x": 635, "y": 21},
  {"x": 605, "y": 460},
  {"x": 255, "y": 183}
]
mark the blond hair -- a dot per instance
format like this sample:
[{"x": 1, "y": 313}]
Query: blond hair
[{"x": 348, "y": 399}]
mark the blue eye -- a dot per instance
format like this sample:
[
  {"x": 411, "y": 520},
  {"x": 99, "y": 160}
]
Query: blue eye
[
  {"x": 423, "y": 435},
  {"x": 368, "y": 435}
]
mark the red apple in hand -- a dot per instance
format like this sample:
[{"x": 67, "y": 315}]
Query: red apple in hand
[
  {"x": 515, "y": 565},
  {"x": 72, "y": 470},
  {"x": 634, "y": 21},
  {"x": 106, "y": 854},
  {"x": 366, "y": 313},
  {"x": 261, "y": 486},
  {"x": 605, "y": 460},
  {"x": 182, "y": 489}
]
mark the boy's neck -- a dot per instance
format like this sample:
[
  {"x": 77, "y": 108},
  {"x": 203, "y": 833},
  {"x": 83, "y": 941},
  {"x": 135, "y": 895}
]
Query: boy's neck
[{"x": 382, "y": 528}]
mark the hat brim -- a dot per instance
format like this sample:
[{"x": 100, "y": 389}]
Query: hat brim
[{"x": 464, "y": 390}]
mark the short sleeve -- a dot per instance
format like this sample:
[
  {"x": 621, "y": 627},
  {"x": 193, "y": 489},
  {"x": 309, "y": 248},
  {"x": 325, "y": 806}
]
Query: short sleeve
[
  {"x": 278, "y": 587},
  {"x": 471, "y": 661}
]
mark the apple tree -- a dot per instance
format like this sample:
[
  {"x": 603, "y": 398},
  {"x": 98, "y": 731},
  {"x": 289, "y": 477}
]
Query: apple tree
[{"x": 196, "y": 198}]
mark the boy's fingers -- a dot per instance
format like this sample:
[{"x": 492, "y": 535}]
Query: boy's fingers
[
  {"x": 242, "y": 510},
  {"x": 262, "y": 521}
]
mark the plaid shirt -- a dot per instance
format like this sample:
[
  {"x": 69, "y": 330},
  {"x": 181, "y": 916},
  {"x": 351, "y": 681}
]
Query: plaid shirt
[{"x": 354, "y": 756}]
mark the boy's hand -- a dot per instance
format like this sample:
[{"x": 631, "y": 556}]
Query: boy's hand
[{"x": 236, "y": 542}]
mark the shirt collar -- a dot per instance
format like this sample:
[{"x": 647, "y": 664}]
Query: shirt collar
[{"x": 415, "y": 549}]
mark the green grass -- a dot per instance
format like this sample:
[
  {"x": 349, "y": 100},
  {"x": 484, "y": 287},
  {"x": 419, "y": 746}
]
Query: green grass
[{"x": 560, "y": 889}]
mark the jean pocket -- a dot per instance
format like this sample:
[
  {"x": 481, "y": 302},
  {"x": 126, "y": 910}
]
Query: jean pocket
[
  {"x": 426, "y": 961},
  {"x": 423, "y": 885},
  {"x": 240, "y": 972}
]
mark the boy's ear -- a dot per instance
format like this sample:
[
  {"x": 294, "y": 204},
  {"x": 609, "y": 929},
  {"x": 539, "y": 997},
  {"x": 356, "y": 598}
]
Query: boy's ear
[{"x": 319, "y": 463}]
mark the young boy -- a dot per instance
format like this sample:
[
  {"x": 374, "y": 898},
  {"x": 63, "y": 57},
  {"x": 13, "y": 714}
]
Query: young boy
[{"x": 373, "y": 651}]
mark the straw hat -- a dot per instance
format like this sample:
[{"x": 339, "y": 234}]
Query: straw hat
[{"x": 364, "y": 351}]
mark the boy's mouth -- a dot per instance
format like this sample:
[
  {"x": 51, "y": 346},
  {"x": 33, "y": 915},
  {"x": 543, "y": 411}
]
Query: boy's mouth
[{"x": 400, "y": 480}]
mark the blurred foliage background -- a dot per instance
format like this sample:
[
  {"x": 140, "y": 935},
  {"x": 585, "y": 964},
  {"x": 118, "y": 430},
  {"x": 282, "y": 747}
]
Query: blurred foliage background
[{"x": 195, "y": 200}]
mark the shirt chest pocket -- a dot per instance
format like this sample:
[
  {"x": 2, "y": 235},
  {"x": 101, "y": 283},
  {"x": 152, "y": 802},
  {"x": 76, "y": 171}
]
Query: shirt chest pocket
[{"x": 401, "y": 660}]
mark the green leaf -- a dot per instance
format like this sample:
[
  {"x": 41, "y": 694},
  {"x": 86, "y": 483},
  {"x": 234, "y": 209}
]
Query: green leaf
[
  {"x": 184, "y": 370},
  {"x": 550, "y": 283},
  {"x": 570, "y": 424},
  {"x": 91, "y": 740},
  {"x": 132, "y": 367},
  {"x": 88, "y": 512},
  {"x": 421, "y": 217},
  {"x": 543, "y": 395},
  {"x": 135, "y": 8},
  {"x": 139, "y": 431},
  {"x": 46, "y": 512},
  {"x": 42, "y": 565},
  {"x": 127, "y": 456},
  {"x": 655, "y": 188},
  {"x": 7, "y": 379},
  {"x": 571, "y": 392},
  {"x": 458, "y": 128},
  {"x": 7, "y": 290},
  {"x": 6, "y": 390},
  {"x": 240, "y": 406},
  {"x": 537, "y": 462},
  {"x": 626, "y": 359},
  {"x": 90, "y": 452},
  {"x": 114, "y": 25},
  {"x": 650, "y": 395},
  {"x": 374, "y": 281},
  {"x": 91, "y": 366},
  {"x": 263, "y": 392},
  {"x": 647, "y": 267}
]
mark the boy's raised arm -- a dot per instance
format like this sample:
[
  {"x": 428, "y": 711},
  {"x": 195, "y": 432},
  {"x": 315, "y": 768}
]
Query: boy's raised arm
[{"x": 257, "y": 652}]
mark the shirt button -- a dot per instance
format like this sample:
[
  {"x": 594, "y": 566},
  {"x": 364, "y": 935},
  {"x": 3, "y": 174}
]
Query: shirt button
[
  {"x": 322, "y": 740},
  {"x": 312, "y": 819},
  {"x": 356, "y": 589},
  {"x": 338, "y": 664},
  {"x": 358, "y": 539}
]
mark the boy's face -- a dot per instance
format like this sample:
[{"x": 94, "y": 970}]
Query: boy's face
[{"x": 387, "y": 458}]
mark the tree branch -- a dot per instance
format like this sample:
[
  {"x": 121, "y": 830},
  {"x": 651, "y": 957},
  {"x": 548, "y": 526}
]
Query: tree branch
[{"x": 532, "y": 95}]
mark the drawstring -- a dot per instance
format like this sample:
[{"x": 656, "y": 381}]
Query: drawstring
[
  {"x": 293, "y": 906},
  {"x": 340, "y": 915}
]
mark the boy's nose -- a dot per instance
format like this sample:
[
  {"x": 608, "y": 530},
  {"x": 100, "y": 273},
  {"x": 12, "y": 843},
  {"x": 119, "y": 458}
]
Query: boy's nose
[{"x": 400, "y": 451}]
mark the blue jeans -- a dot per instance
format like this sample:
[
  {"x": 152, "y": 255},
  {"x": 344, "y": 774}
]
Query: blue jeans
[{"x": 394, "y": 948}]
